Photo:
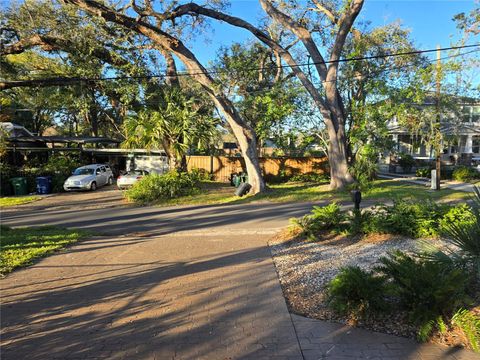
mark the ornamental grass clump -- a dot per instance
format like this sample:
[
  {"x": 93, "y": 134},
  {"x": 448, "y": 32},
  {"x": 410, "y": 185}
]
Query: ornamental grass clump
[{"x": 154, "y": 187}]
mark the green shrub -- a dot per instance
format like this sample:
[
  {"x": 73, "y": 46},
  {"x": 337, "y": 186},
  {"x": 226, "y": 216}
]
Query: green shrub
[
  {"x": 357, "y": 292},
  {"x": 460, "y": 214},
  {"x": 423, "y": 172},
  {"x": 200, "y": 175},
  {"x": 465, "y": 235},
  {"x": 426, "y": 289},
  {"x": 363, "y": 222},
  {"x": 156, "y": 187},
  {"x": 410, "y": 218},
  {"x": 364, "y": 170},
  {"x": 464, "y": 173},
  {"x": 470, "y": 325},
  {"x": 321, "y": 218},
  {"x": 406, "y": 161},
  {"x": 311, "y": 177}
]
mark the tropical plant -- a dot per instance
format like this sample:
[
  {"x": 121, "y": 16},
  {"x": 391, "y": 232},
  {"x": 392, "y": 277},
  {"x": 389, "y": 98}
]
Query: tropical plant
[
  {"x": 426, "y": 289},
  {"x": 465, "y": 237},
  {"x": 179, "y": 124},
  {"x": 469, "y": 323},
  {"x": 357, "y": 292},
  {"x": 321, "y": 218}
]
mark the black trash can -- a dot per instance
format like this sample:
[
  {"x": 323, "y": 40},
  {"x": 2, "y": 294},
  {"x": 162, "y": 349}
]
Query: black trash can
[
  {"x": 243, "y": 189},
  {"x": 44, "y": 184}
]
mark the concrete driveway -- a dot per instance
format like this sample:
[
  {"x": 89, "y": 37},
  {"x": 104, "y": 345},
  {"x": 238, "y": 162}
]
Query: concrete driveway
[{"x": 190, "y": 282}]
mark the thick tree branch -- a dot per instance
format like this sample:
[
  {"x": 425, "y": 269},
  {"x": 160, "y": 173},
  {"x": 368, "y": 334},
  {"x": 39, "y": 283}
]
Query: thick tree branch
[
  {"x": 301, "y": 32},
  {"x": 50, "y": 43},
  {"x": 244, "y": 133},
  {"x": 263, "y": 37}
]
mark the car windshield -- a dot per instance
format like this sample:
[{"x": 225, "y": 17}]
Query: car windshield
[
  {"x": 136, "y": 172},
  {"x": 83, "y": 171}
]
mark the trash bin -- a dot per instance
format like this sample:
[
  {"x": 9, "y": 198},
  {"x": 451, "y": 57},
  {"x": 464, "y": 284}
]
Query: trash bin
[
  {"x": 44, "y": 184},
  {"x": 19, "y": 185},
  {"x": 243, "y": 189},
  {"x": 236, "y": 180}
]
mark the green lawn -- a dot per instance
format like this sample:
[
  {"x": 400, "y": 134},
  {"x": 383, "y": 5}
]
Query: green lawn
[
  {"x": 21, "y": 246},
  {"x": 219, "y": 193},
  {"x": 12, "y": 201}
]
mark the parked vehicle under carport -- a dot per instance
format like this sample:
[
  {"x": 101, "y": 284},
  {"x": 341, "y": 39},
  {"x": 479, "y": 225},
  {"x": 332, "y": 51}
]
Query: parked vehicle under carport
[{"x": 89, "y": 177}]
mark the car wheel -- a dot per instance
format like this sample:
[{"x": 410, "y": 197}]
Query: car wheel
[
  {"x": 93, "y": 186},
  {"x": 110, "y": 181}
]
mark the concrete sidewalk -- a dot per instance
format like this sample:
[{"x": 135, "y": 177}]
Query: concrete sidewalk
[{"x": 452, "y": 185}]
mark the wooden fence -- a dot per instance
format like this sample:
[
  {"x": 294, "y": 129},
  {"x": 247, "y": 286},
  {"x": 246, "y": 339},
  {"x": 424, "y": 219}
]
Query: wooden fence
[{"x": 221, "y": 167}]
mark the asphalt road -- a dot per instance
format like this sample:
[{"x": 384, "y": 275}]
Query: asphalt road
[{"x": 157, "y": 221}]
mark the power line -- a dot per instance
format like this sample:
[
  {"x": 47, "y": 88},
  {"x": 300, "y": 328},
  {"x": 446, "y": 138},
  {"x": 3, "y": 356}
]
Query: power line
[
  {"x": 367, "y": 76},
  {"x": 211, "y": 71}
]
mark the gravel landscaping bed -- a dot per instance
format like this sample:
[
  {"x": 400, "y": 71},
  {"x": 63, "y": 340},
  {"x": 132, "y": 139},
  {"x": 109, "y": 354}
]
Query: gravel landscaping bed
[{"x": 305, "y": 268}]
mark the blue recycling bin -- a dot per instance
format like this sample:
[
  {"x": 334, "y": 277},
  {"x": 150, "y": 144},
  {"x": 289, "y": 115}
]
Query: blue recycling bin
[{"x": 44, "y": 184}]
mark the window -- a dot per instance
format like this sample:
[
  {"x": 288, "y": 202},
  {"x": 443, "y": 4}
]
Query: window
[
  {"x": 466, "y": 113},
  {"x": 103, "y": 169},
  {"x": 476, "y": 113},
  {"x": 476, "y": 145},
  {"x": 83, "y": 171}
]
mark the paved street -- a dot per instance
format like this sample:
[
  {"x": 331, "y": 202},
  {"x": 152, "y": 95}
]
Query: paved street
[{"x": 192, "y": 282}]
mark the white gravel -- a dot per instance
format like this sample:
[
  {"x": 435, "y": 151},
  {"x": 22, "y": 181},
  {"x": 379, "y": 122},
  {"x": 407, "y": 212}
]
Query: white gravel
[{"x": 316, "y": 263}]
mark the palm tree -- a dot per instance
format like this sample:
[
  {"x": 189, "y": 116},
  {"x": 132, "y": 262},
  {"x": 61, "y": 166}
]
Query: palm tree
[{"x": 178, "y": 124}]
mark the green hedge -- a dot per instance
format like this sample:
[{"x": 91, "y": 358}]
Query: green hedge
[
  {"x": 58, "y": 166},
  {"x": 156, "y": 187}
]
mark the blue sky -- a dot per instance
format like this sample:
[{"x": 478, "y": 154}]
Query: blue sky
[{"x": 430, "y": 22}]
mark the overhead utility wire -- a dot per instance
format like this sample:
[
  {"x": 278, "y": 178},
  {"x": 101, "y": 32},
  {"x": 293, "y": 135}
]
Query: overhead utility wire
[
  {"x": 187, "y": 73},
  {"x": 369, "y": 75}
]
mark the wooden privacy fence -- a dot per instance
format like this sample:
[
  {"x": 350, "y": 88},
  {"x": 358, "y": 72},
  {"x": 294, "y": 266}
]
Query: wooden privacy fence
[{"x": 221, "y": 167}]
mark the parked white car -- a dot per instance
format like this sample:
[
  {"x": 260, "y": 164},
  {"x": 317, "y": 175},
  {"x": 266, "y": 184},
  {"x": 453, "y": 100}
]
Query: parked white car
[
  {"x": 89, "y": 177},
  {"x": 126, "y": 180}
]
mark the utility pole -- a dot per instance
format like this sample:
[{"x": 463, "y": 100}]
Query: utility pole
[{"x": 437, "y": 134}]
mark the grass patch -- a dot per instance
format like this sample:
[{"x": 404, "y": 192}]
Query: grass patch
[
  {"x": 389, "y": 189},
  {"x": 220, "y": 193},
  {"x": 12, "y": 201},
  {"x": 20, "y": 247}
]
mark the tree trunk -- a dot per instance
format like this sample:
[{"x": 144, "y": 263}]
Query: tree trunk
[
  {"x": 330, "y": 106},
  {"x": 245, "y": 134}
]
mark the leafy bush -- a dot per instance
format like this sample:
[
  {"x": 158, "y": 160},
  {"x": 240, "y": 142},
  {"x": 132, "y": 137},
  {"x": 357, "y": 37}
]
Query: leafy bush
[
  {"x": 470, "y": 326},
  {"x": 156, "y": 187},
  {"x": 357, "y": 292},
  {"x": 464, "y": 173},
  {"x": 321, "y": 218},
  {"x": 423, "y": 172},
  {"x": 465, "y": 235},
  {"x": 406, "y": 161},
  {"x": 200, "y": 175},
  {"x": 310, "y": 177},
  {"x": 410, "y": 218},
  {"x": 363, "y": 222},
  {"x": 426, "y": 289},
  {"x": 58, "y": 166},
  {"x": 460, "y": 215}
]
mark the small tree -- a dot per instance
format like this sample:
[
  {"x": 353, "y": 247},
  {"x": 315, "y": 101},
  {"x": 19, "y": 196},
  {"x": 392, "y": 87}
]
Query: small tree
[{"x": 176, "y": 124}]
